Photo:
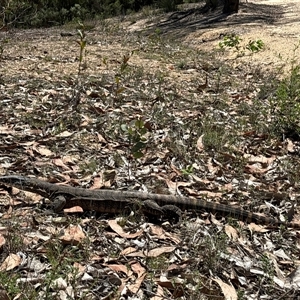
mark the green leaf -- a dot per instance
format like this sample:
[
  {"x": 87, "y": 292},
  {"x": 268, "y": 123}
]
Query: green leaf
[
  {"x": 138, "y": 146},
  {"x": 139, "y": 124},
  {"x": 137, "y": 154}
]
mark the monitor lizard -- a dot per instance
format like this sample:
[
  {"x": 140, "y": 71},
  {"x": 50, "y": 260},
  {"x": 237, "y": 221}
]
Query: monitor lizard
[{"x": 111, "y": 201}]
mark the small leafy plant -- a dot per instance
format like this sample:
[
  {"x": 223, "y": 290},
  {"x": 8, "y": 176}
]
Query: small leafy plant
[
  {"x": 136, "y": 133},
  {"x": 255, "y": 46},
  {"x": 123, "y": 68},
  {"x": 230, "y": 41},
  {"x": 234, "y": 41},
  {"x": 188, "y": 170},
  {"x": 82, "y": 45}
]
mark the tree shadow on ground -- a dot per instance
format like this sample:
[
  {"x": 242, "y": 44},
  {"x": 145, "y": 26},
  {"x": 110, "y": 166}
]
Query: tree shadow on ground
[{"x": 182, "y": 23}]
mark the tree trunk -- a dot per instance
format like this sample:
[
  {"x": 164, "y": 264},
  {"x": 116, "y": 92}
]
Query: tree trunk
[{"x": 231, "y": 6}]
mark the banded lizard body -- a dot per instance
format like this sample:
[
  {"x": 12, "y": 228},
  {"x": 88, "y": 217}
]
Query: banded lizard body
[{"x": 110, "y": 201}]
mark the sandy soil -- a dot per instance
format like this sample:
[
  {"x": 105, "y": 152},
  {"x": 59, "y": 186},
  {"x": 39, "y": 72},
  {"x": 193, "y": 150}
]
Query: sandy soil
[
  {"x": 275, "y": 22},
  {"x": 280, "y": 36}
]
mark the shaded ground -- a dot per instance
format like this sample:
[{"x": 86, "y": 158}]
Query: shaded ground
[{"x": 276, "y": 23}]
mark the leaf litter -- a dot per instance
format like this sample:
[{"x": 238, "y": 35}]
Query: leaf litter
[{"x": 192, "y": 138}]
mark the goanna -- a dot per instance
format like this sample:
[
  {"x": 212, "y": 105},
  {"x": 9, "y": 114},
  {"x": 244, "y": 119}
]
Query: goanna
[{"x": 112, "y": 201}]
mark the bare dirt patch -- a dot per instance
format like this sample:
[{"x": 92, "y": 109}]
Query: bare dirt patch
[{"x": 275, "y": 22}]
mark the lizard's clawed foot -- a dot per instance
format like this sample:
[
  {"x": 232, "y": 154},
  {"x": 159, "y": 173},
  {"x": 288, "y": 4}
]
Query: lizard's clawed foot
[
  {"x": 173, "y": 213},
  {"x": 58, "y": 203}
]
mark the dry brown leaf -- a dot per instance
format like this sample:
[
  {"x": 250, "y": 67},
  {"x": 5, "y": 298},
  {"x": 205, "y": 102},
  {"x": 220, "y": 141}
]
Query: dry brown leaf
[
  {"x": 42, "y": 150},
  {"x": 174, "y": 268},
  {"x": 257, "y": 228},
  {"x": 30, "y": 143},
  {"x": 158, "y": 251},
  {"x": 202, "y": 180},
  {"x": 227, "y": 187},
  {"x": 173, "y": 186},
  {"x": 199, "y": 144},
  {"x": 80, "y": 268},
  {"x": 210, "y": 194},
  {"x": 109, "y": 176},
  {"x": 98, "y": 182},
  {"x": 138, "y": 269},
  {"x": 74, "y": 209},
  {"x": 65, "y": 134},
  {"x": 96, "y": 257},
  {"x": 175, "y": 283},
  {"x": 73, "y": 234},
  {"x": 290, "y": 146},
  {"x": 6, "y": 130},
  {"x": 127, "y": 251},
  {"x": 228, "y": 290},
  {"x": 231, "y": 232},
  {"x": 214, "y": 220},
  {"x": 59, "y": 163},
  {"x": 15, "y": 191},
  {"x": 71, "y": 159},
  {"x": 159, "y": 295},
  {"x": 176, "y": 170},
  {"x": 34, "y": 198},
  {"x": 136, "y": 286},
  {"x": 161, "y": 234},
  {"x": 119, "y": 230},
  {"x": 10, "y": 262},
  {"x": 260, "y": 159},
  {"x": 101, "y": 139},
  {"x": 3, "y": 230},
  {"x": 297, "y": 224},
  {"x": 6, "y": 200},
  {"x": 152, "y": 253},
  {"x": 212, "y": 167},
  {"x": 156, "y": 230},
  {"x": 294, "y": 278},
  {"x": 255, "y": 169},
  {"x": 119, "y": 268}
]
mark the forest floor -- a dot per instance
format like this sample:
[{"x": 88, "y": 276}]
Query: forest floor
[{"x": 156, "y": 105}]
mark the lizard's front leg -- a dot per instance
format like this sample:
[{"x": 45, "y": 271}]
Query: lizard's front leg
[
  {"x": 172, "y": 212},
  {"x": 150, "y": 207},
  {"x": 58, "y": 202}
]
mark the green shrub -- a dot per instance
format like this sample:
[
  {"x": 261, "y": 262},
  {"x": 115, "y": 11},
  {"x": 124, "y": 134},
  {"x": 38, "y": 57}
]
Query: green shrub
[
  {"x": 168, "y": 5},
  {"x": 285, "y": 106},
  {"x": 39, "y": 13}
]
